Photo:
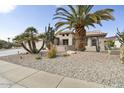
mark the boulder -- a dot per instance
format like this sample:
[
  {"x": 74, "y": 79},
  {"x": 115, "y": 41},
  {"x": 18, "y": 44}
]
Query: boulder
[{"x": 71, "y": 52}]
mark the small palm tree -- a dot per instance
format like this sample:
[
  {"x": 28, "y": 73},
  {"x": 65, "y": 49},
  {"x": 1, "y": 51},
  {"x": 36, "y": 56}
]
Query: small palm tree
[
  {"x": 77, "y": 18},
  {"x": 29, "y": 37}
]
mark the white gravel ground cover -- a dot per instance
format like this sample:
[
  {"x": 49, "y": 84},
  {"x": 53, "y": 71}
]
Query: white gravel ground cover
[{"x": 90, "y": 66}]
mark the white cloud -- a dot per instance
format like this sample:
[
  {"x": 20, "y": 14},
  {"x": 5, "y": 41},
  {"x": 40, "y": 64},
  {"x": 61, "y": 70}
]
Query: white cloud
[{"x": 7, "y": 8}]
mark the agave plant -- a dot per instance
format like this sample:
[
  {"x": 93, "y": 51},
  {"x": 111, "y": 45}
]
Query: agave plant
[
  {"x": 29, "y": 37},
  {"x": 77, "y": 18}
]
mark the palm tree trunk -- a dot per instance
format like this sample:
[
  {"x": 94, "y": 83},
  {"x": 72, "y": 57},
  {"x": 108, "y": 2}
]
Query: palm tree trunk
[
  {"x": 80, "y": 38},
  {"x": 34, "y": 46},
  {"x": 34, "y": 50},
  {"x": 41, "y": 47},
  {"x": 29, "y": 44},
  {"x": 25, "y": 48},
  {"x": 97, "y": 45}
]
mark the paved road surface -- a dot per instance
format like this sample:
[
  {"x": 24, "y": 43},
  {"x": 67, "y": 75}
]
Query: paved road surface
[{"x": 11, "y": 52}]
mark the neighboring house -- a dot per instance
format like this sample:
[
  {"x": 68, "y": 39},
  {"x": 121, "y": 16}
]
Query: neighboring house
[
  {"x": 93, "y": 39},
  {"x": 114, "y": 38}
]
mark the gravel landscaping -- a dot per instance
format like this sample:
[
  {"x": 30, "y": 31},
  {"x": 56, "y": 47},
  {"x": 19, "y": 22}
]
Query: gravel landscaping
[{"x": 90, "y": 66}]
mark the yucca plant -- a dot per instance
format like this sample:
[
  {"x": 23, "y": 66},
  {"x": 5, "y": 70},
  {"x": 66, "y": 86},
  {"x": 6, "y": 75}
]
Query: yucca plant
[
  {"x": 120, "y": 36},
  {"x": 77, "y": 18},
  {"x": 48, "y": 36}
]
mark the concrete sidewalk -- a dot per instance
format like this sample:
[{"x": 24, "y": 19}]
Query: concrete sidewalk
[{"x": 16, "y": 76}]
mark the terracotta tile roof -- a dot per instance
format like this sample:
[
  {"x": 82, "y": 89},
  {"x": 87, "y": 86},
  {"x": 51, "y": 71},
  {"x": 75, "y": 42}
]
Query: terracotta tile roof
[
  {"x": 89, "y": 33},
  {"x": 111, "y": 38},
  {"x": 95, "y": 33},
  {"x": 66, "y": 32}
]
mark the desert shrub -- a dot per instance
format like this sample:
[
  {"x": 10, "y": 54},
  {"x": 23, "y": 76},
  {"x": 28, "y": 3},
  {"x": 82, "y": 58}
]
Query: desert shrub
[
  {"x": 52, "y": 52},
  {"x": 110, "y": 44},
  {"x": 65, "y": 55},
  {"x": 5, "y": 44},
  {"x": 38, "y": 58},
  {"x": 1, "y": 46},
  {"x": 35, "y": 50}
]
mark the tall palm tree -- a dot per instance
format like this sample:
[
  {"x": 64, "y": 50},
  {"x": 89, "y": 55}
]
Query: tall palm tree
[
  {"x": 77, "y": 18},
  {"x": 29, "y": 37}
]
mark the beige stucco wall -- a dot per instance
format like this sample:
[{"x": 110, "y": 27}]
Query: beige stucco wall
[
  {"x": 89, "y": 46},
  {"x": 102, "y": 45},
  {"x": 38, "y": 44},
  {"x": 69, "y": 37},
  {"x": 117, "y": 44}
]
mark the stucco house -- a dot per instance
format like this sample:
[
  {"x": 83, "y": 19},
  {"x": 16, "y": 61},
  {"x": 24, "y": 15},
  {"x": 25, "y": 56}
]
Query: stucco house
[
  {"x": 115, "y": 39},
  {"x": 93, "y": 38},
  {"x": 65, "y": 41}
]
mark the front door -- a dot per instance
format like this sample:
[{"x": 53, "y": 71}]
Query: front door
[{"x": 65, "y": 41}]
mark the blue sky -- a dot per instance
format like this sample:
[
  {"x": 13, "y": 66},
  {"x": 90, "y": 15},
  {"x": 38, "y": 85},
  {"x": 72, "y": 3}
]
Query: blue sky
[{"x": 16, "y": 19}]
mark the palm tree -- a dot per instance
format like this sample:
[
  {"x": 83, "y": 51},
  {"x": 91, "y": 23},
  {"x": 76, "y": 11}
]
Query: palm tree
[
  {"x": 31, "y": 32},
  {"x": 77, "y": 18},
  {"x": 120, "y": 36},
  {"x": 20, "y": 39},
  {"x": 29, "y": 37}
]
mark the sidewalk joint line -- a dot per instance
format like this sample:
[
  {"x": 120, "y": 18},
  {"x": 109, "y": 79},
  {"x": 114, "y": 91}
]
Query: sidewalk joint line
[
  {"x": 60, "y": 82},
  {"x": 27, "y": 76}
]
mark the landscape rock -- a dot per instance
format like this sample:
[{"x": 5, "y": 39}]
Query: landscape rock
[{"x": 71, "y": 52}]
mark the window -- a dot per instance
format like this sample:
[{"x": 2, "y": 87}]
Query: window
[
  {"x": 65, "y": 41},
  {"x": 63, "y": 34},
  {"x": 93, "y": 42},
  {"x": 67, "y": 34}
]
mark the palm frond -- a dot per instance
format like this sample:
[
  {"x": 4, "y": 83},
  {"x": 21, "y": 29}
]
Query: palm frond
[
  {"x": 81, "y": 15},
  {"x": 120, "y": 36}
]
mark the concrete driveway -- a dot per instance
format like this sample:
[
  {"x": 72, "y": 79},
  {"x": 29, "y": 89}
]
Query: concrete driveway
[
  {"x": 16, "y": 76},
  {"x": 11, "y": 51}
]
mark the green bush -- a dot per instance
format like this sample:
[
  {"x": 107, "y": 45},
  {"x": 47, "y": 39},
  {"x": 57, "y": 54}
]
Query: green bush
[
  {"x": 65, "y": 55},
  {"x": 38, "y": 58},
  {"x": 5, "y": 44},
  {"x": 110, "y": 44},
  {"x": 35, "y": 50},
  {"x": 1, "y": 46},
  {"x": 52, "y": 53}
]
